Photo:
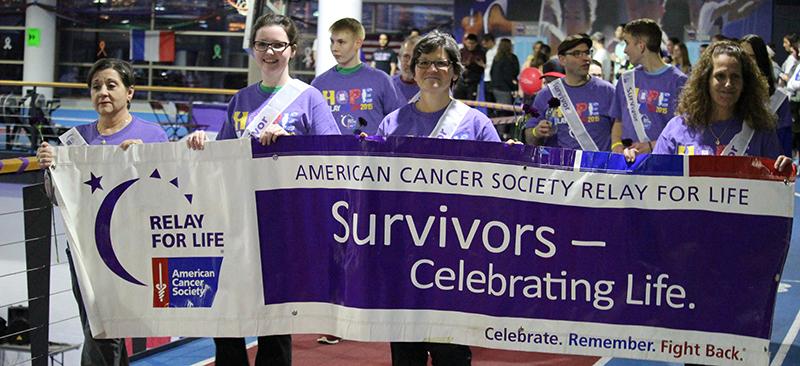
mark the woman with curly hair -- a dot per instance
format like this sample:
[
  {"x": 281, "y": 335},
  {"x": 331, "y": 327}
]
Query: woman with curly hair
[{"x": 723, "y": 110}]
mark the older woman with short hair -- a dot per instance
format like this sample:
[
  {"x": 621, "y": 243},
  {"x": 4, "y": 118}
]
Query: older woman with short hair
[
  {"x": 437, "y": 65},
  {"x": 110, "y": 84}
]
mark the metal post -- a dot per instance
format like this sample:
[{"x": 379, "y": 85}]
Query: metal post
[{"x": 38, "y": 216}]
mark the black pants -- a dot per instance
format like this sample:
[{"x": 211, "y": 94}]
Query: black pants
[
  {"x": 442, "y": 354},
  {"x": 274, "y": 350}
]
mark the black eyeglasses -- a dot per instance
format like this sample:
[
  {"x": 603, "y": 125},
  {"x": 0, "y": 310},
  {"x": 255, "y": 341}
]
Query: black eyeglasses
[
  {"x": 439, "y": 64},
  {"x": 278, "y": 47},
  {"x": 589, "y": 52}
]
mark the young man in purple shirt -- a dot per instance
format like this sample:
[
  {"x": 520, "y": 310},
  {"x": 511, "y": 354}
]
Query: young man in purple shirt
[
  {"x": 646, "y": 96},
  {"x": 359, "y": 96},
  {"x": 404, "y": 80},
  {"x": 582, "y": 122}
]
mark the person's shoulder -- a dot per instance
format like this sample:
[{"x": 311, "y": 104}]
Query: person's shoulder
[
  {"x": 248, "y": 90},
  {"x": 324, "y": 76},
  {"x": 677, "y": 122},
  {"x": 601, "y": 84},
  {"x": 149, "y": 128},
  {"x": 478, "y": 116}
]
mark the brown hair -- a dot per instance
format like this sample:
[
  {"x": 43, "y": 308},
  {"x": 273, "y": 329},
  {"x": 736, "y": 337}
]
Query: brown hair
[
  {"x": 695, "y": 101},
  {"x": 276, "y": 19},
  {"x": 647, "y": 29}
]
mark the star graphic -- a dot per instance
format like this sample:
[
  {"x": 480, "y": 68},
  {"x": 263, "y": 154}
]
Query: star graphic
[{"x": 94, "y": 182}]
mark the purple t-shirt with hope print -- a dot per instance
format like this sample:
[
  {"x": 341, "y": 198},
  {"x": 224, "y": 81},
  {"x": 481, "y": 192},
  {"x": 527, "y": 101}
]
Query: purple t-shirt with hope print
[
  {"x": 367, "y": 93},
  {"x": 657, "y": 96},
  {"x": 592, "y": 102},
  {"x": 407, "y": 90},
  {"x": 307, "y": 115},
  {"x": 409, "y": 121},
  {"x": 140, "y": 129},
  {"x": 678, "y": 138}
]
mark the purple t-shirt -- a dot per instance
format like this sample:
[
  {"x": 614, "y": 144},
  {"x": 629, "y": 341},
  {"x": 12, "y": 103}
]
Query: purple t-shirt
[
  {"x": 367, "y": 93},
  {"x": 307, "y": 115},
  {"x": 657, "y": 94},
  {"x": 407, "y": 90},
  {"x": 140, "y": 129},
  {"x": 409, "y": 121},
  {"x": 678, "y": 138},
  {"x": 592, "y": 101}
]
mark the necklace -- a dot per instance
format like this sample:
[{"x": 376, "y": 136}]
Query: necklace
[{"x": 711, "y": 128}]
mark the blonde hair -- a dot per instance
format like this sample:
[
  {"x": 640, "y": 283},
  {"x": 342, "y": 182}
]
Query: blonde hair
[{"x": 350, "y": 25}]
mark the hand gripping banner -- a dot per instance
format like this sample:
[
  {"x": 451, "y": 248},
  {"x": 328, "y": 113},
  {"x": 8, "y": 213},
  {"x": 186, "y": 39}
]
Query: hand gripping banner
[{"x": 512, "y": 247}]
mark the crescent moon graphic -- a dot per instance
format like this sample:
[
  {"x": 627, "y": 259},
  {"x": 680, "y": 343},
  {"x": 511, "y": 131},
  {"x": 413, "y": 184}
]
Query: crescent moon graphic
[{"x": 102, "y": 232}]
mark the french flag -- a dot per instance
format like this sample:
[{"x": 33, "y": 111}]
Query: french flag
[{"x": 155, "y": 46}]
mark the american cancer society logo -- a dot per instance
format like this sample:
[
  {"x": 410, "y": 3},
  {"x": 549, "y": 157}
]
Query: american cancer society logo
[
  {"x": 185, "y": 282},
  {"x": 178, "y": 282}
]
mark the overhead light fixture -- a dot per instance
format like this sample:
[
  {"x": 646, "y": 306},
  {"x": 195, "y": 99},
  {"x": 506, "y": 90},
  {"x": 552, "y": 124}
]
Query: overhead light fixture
[{"x": 99, "y": 2}]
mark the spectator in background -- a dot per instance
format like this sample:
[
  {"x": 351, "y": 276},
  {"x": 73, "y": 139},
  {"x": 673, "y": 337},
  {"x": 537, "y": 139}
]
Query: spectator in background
[
  {"x": 490, "y": 47},
  {"x": 790, "y": 42},
  {"x": 384, "y": 58},
  {"x": 680, "y": 58},
  {"x": 551, "y": 71},
  {"x": 703, "y": 48},
  {"x": 778, "y": 105},
  {"x": 618, "y": 56},
  {"x": 601, "y": 55},
  {"x": 474, "y": 61},
  {"x": 538, "y": 57},
  {"x": 596, "y": 69},
  {"x": 404, "y": 80},
  {"x": 505, "y": 70}
]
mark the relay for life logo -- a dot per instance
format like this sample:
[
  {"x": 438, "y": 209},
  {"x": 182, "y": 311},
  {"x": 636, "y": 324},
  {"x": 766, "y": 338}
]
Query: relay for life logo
[{"x": 186, "y": 281}]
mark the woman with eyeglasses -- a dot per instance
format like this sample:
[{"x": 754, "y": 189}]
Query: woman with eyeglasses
[
  {"x": 275, "y": 106},
  {"x": 278, "y": 105},
  {"x": 436, "y": 63},
  {"x": 723, "y": 110}
]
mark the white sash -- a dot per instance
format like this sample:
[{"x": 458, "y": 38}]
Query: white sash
[
  {"x": 777, "y": 99},
  {"x": 72, "y": 138},
  {"x": 739, "y": 142},
  {"x": 415, "y": 98},
  {"x": 270, "y": 111},
  {"x": 571, "y": 115},
  {"x": 450, "y": 120},
  {"x": 629, "y": 87}
]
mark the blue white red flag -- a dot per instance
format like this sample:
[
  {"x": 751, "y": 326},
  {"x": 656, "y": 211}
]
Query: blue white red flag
[{"x": 155, "y": 46}]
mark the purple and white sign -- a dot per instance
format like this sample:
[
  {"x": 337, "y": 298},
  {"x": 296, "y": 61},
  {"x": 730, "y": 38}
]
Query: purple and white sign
[{"x": 443, "y": 241}]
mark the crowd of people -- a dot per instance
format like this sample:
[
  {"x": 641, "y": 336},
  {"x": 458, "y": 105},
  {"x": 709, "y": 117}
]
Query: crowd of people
[{"x": 629, "y": 99}]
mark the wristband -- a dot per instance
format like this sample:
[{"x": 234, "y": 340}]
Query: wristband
[{"x": 614, "y": 145}]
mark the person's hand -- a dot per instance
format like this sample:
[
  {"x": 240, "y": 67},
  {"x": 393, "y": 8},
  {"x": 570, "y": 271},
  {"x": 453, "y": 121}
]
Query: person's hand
[
  {"x": 511, "y": 142},
  {"x": 270, "y": 134},
  {"x": 196, "y": 140},
  {"x": 127, "y": 143},
  {"x": 643, "y": 147},
  {"x": 543, "y": 129},
  {"x": 782, "y": 163},
  {"x": 45, "y": 154},
  {"x": 630, "y": 154}
]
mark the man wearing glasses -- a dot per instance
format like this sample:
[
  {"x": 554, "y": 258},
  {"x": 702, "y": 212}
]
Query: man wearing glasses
[
  {"x": 646, "y": 96},
  {"x": 582, "y": 118},
  {"x": 358, "y": 94}
]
